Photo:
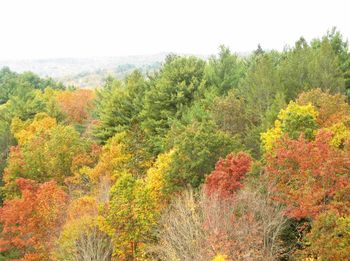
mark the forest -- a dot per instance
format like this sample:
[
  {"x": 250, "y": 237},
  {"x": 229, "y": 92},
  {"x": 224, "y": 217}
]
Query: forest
[{"x": 226, "y": 158}]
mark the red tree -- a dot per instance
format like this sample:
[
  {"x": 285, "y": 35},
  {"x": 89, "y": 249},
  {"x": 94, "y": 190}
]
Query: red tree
[
  {"x": 226, "y": 179},
  {"x": 30, "y": 224},
  {"x": 308, "y": 176}
]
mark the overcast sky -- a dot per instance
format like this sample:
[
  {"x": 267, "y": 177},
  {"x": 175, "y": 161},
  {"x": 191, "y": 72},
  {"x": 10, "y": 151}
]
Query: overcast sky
[{"x": 93, "y": 28}]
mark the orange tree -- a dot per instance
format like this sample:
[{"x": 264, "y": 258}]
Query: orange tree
[{"x": 31, "y": 223}]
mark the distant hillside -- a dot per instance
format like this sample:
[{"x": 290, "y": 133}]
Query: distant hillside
[{"x": 86, "y": 72}]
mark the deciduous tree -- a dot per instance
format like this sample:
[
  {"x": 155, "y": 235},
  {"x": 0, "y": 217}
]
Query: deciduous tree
[
  {"x": 306, "y": 174},
  {"x": 227, "y": 177},
  {"x": 31, "y": 223}
]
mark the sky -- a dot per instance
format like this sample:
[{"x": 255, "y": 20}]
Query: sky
[{"x": 39, "y": 29}]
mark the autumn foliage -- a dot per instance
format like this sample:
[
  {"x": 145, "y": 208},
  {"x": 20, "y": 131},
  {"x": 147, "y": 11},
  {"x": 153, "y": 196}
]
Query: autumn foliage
[
  {"x": 32, "y": 222},
  {"x": 76, "y": 105},
  {"x": 227, "y": 177},
  {"x": 229, "y": 158},
  {"x": 306, "y": 175},
  {"x": 331, "y": 108}
]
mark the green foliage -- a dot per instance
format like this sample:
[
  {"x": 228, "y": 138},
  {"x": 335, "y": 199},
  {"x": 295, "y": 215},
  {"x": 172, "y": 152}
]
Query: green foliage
[
  {"x": 13, "y": 84},
  {"x": 225, "y": 71},
  {"x": 304, "y": 68},
  {"x": 230, "y": 114},
  {"x": 118, "y": 105},
  {"x": 197, "y": 148},
  {"x": 174, "y": 90},
  {"x": 341, "y": 49},
  {"x": 6, "y": 140},
  {"x": 261, "y": 85},
  {"x": 8, "y": 84}
]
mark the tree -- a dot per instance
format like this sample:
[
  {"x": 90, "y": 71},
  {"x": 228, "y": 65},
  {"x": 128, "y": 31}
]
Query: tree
[
  {"x": 6, "y": 140},
  {"x": 124, "y": 152},
  {"x": 324, "y": 69},
  {"x": 227, "y": 177},
  {"x": 76, "y": 105},
  {"x": 259, "y": 50},
  {"x": 26, "y": 105},
  {"x": 306, "y": 175},
  {"x": 26, "y": 131},
  {"x": 261, "y": 85},
  {"x": 196, "y": 227},
  {"x": 31, "y": 223},
  {"x": 14, "y": 84},
  {"x": 331, "y": 108},
  {"x": 329, "y": 237},
  {"x": 305, "y": 68},
  {"x": 196, "y": 150},
  {"x": 341, "y": 49},
  {"x": 181, "y": 234},
  {"x": 80, "y": 183},
  {"x": 81, "y": 237},
  {"x": 8, "y": 84},
  {"x": 230, "y": 114},
  {"x": 174, "y": 90},
  {"x": 119, "y": 105},
  {"x": 131, "y": 217},
  {"x": 225, "y": 71},
  {"x": 46, "y": 151},
  {"x": 113, "y": 160},
  {"x": 156, "y": 179},
  {"x": 292, "y": 121}
]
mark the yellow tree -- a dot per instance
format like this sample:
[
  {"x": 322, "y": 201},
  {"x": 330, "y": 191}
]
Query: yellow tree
[
  {"x": 131, "y": 217},
  {"x": 81, "y": 237},
  {"x": 293, "y": 121},
  {"x": 333, "y": 113},
  {"x": 46, "y": 151},
  {"x": 156, "y": 179}
]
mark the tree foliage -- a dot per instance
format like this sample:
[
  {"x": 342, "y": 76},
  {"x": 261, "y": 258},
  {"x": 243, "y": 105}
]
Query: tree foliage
[
  {"x": 227, "y": 177},
  {"x": 131, "y": 216},
  {"x": 76, "y": 105},
  {"x": 306, "y": 175},
  {"x": 31, "y": 223},
  {"x": 174, "y": 90},
  {"x": 292, "y": 121},
  {"x": 118, "y": 105},
  {"x": 196, "y": 151},
  {"x": 151, "y": 166}
]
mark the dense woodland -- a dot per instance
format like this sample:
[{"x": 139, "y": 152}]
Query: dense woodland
[{"x": 230, "y": 158}]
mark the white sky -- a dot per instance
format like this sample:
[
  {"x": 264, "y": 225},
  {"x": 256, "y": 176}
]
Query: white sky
[{"x": 90, "y": 28}]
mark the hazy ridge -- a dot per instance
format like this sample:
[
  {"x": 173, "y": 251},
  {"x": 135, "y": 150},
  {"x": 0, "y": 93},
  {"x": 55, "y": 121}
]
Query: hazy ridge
[{"x": 88, "y": 72}]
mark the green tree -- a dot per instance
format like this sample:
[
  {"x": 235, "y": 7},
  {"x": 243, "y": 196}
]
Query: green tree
[
  {"x": 225, "y": 71},
  {"x": 341, "y": 48},
  {"x": 197, "y": 148},
  {"x": 305, "y": 68},
  {"x": 174, "y": 90},
  {"x": 119, "y": 104},
  {"x": 261, "y": 85}
]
